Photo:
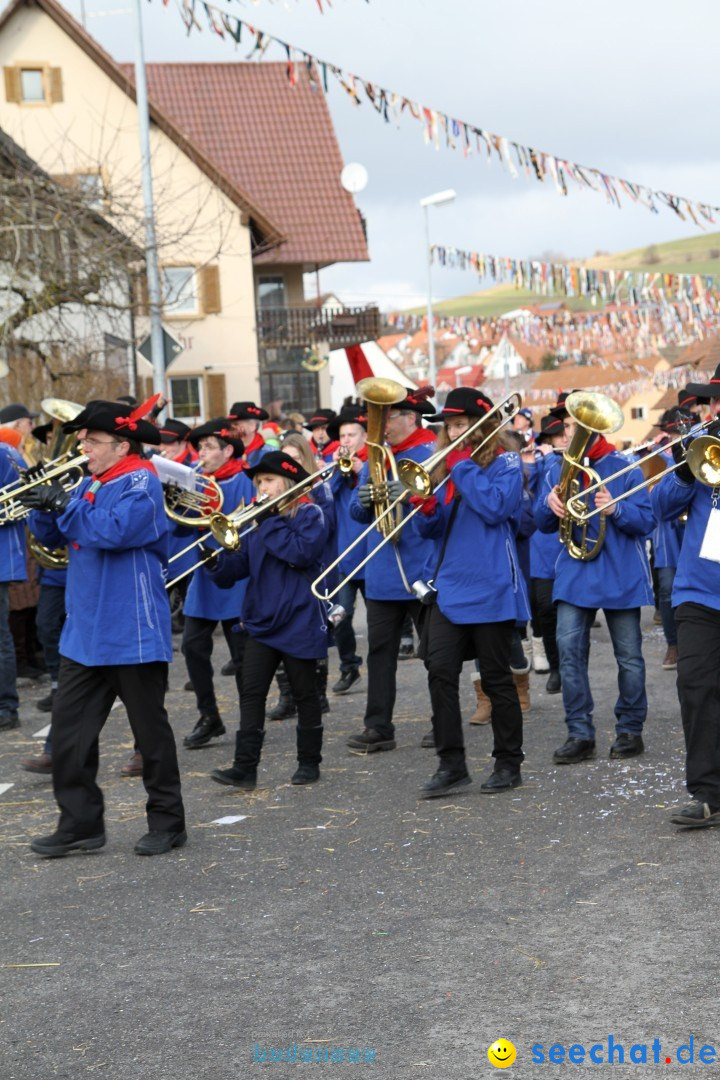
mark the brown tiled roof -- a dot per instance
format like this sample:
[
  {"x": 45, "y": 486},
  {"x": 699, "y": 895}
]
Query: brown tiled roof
[
  {"x": 276, "y": 142},
  {"x": 269, "y": 231},
  {"x": 703, "y": 355}
]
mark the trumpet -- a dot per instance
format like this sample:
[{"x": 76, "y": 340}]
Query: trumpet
[
  {"x": 702, "y": 458},
  {"x": 62, "y": 468},
  {"x": 229, "y": 529},
  {"x": 417, "y": 480}
]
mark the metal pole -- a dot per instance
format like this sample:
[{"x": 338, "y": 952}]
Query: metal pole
[
  {"x": 432, "y": 372},
  {"x": 151, "y": 252}
]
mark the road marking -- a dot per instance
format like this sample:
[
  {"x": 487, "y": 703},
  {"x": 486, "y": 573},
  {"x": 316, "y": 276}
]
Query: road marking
[
  {"x": 43, "y": 733},
  {"x": 5, "y": 787}
]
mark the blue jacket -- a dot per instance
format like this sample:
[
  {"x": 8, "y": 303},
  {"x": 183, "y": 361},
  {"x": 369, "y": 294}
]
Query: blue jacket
[
  {"x": 697, "y": 580},
  {"x": 418, "y": 554},
  {"x": 13, "y": 557},
  {"x": 348, "y": 529},
  {"x": 544, "y": 547},
  {"x": 667, "y": 538},
  {"x": 117, "y": 607},
  {"x": 480, "y": 579},
  {"x": 279, "y": 560},
  {"x": 255, "y": 456},
  {"x": 205, "y": 599},
  {"x": 619, "y": 577}
]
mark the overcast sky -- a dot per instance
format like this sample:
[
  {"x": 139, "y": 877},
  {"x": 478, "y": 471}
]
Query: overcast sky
[{"x": 629, "y": 87}]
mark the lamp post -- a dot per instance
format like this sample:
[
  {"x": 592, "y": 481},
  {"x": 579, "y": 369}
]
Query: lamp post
[{"x": 439, "y": 199}]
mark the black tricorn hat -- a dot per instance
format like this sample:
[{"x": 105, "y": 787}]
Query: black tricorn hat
[
  {"x": 280, "y": 464},
  {"x": 462, "y": 401},
  {"x": 248, "y": 410},
  {"x": 320, "y": 418},
  {"x": 220, "y": 430},
  {"x": 41, "y": 431},
  {"x": 673, "y": 420},
  {"x": 558, "y": 408},
  {"x": 550, "y": 425},
  {"x": 173, "y": 431},
  {"x": 117, "y": 419},
  {"x": 704, "y": 391},
  {"x": 351, "y": 414},
  {"x": 416, "y": 401}
]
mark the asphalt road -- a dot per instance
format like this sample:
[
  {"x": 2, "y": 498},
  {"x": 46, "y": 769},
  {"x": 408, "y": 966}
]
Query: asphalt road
[{"x": 348, "y": 915}]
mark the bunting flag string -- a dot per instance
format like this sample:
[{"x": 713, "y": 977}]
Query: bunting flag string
[
  {"x": 438, "y": 128},
  {"x": 573, "y": 280}
]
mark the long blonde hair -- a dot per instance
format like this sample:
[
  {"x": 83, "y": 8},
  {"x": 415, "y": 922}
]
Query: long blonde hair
[{"x": 300, "y": 443}]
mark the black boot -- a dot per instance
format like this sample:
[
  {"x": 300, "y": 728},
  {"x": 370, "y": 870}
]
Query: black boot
[
  {"x": 321, "y": 678},
  {"x": 309, "y": 746},
  {"x": 243, "y": 771},
  {"x": 286, "y": 706}
]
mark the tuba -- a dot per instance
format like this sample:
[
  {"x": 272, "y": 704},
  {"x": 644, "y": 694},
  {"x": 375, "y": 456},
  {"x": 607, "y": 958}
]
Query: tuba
[
  {"x": 380, "y": 395},
  {"x": 594, "y": 414}
]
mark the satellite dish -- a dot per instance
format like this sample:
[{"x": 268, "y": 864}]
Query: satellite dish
[{"x": 354, "y": 177}]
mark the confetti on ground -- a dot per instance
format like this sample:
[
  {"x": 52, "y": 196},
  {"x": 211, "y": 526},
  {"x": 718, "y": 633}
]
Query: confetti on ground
[
  {"x": 229, "y": 820},
  {"x": 4, "y": 788},
  {"x": 42, "y": 733},
  {"x": 55, "y": 964}
]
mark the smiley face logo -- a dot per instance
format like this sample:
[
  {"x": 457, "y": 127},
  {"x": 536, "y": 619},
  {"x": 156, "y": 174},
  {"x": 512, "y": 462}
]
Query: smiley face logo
[{"x": 501, "y": 1054}]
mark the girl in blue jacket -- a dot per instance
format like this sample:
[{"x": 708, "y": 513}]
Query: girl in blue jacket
[
  {"x": 480, "y": 592},
  {"x": 283, "y": 620}
]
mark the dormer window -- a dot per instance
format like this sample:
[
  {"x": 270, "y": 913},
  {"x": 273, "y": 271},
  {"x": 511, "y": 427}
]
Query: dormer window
[{"x": 32, "y": 85}]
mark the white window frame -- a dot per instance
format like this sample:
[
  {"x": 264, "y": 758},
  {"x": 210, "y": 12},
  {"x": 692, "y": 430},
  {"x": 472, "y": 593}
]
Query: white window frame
[
  {"x": 195, "y": 417},
  {"x": 40, "y": 71},
  {"x": 191, "y": 279}
]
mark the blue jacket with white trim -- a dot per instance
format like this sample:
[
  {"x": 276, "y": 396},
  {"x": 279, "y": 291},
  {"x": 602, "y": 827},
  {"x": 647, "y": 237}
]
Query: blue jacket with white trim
[
  {"x": 480, "y": 579},
  {"x": 697, "y": 580},
  {"x": 619, "y": 577}
]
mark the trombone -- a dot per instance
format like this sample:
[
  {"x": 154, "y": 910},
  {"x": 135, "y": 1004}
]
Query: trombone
[
  {"x": 417, "y": 480},
  {"x": 702, "y": 458},
  {"x": 229, "y": 529}
]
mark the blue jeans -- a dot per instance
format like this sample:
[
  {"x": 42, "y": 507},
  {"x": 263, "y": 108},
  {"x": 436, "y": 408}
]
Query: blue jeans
[
  {"x": 573, "y": 639},
  {"x": 344, "y": 633},
  {"x": 9, "y": 700},
  {"x": 666, "y": 579}
]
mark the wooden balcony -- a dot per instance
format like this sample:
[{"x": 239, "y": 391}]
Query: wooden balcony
[{"x": 301, "y": 325}]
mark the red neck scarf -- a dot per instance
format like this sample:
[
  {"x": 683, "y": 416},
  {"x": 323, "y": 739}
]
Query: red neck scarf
[
  {"x": 257, "y": 444},
  {"x": 418, "y": 437},
  {"x": 330, "y": 449},
  {"x": 128, "y": 464},
  {"x": 230, "y": 468},
  {"x": 599, "y": 448},
  {"x": 186, "y": 456}
]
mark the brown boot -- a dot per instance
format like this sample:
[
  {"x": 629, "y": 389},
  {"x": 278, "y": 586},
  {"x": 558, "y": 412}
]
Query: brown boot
[
  {"x": 133, "y": 766},
  {"x": 483, "y": 710},
  {"x": 522, "y": 685},
  {"x": 40, "y": 764},
  {"x": 671, "y": 658}
]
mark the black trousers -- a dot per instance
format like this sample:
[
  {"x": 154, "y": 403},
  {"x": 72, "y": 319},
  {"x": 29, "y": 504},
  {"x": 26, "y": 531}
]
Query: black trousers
[
  {"x": 698, "y": 683},
  {"x": 385, "y": 620},
  {"x": 447, "y": 645},
  {"x": 81, "y": 706},
  {"x": 541, "y": 593},
  {"x": 260, "y": 663},
  {"x": 197, "y": 647}
]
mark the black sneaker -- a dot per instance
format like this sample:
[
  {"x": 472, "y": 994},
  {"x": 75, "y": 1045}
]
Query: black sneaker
[
  {"x": 501, "y": 780},
  {"x": 698, "y": 815},
  {"x": 574, "y": 750},
  {"x": 9, "y": 721},
  {"x": 188, "y": 687},
  {"x": 627, "y": 745},
  {"x": 45, "y": 703},
  {"x": 554, "y": 683},
  {"x": 445, "y": 782},
  {"x": 346, "y": 680},
  {"x": 305, "y": 774},
  {"x": 240, "y": 776},
  {"x": 157, "y": 843},
  {"x": 58, "y": 844},
  {"x": 406, "y": 651},
  {"x": 207, "y": 728},
  {"x": 428, "y": 741},
  {"x": 371, "y": 740},
  {"x": 229, "y": 668}
]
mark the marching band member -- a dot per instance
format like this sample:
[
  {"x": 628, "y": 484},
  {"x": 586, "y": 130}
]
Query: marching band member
[
  {"x": 321, "y": 444},
  {"x": 174, "y": 443},
  {"x": 220, "y": 455},
  {"x": 175, "y": 447},
  {"x": 244, "y": 421},
  {"x": 284, "y": 621},
  {"x": 116, "y": 637},
  {"x": 480, "y": 593},
  {"x": 389, "y": 576},
  {"x": 696, "y": 599},
  {"x": 349, "y": 428},
  {"x": 616, "y": 580},
  {"x": 13, "y": 567},
  {"x": 523, "y": 424}
]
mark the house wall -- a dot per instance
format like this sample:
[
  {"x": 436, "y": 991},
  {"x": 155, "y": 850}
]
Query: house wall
[{"x": 95, "y": 127}]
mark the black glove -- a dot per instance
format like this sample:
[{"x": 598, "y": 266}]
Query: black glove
[
  {"x": 683, "y": 472},
  {"x": 50, "y": 497},
  {"x": 365, "y": 496},
  {"x": 208, "y": 556},
  {"x": 34, "y": 472}
]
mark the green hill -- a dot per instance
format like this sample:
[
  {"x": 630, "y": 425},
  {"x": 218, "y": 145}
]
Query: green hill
[{"x": 694, "y": 255}]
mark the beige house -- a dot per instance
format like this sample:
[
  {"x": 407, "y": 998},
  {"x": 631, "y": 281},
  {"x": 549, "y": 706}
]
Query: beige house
[{"x": 247, "y": 191}]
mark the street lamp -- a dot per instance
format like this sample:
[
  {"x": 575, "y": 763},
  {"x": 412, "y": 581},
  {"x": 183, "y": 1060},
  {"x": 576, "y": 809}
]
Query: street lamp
[{"x": 442, "y": 198}]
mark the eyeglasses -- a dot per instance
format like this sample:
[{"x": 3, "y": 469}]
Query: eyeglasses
[{"x": 97, "y": 442}]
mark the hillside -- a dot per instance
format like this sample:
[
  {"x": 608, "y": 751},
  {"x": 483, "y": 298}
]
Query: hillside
[{"x": 694, "y": 255}]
